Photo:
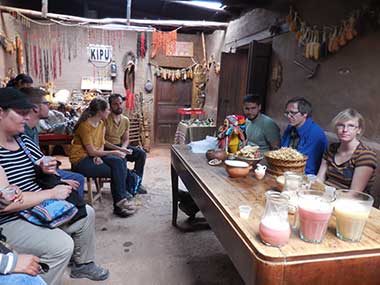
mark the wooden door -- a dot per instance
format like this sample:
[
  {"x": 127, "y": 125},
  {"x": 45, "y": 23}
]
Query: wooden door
[
  {"x": 232, "y": 84},
  {"x": 259, "y": 56},
  {"x": 169, "y": 97}
]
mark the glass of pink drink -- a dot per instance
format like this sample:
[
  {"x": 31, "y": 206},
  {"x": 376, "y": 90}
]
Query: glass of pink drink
[
  {"x": 314, "y": 212},
  {"x": 274, "y": 228}
]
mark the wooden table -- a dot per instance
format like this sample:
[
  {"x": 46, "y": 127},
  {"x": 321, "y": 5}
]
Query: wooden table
[
  {"x": 218, "y": 197},
  {"x": 51, "y": 140}
]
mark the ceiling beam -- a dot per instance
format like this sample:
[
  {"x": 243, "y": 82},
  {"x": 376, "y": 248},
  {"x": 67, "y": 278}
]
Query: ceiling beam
[{"x": 142, "y": 22}]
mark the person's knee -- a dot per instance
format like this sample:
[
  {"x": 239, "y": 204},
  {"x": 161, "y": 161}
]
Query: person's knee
[
  {"x": 62, "y": 247},
  {"x": 90, "y": 214}
]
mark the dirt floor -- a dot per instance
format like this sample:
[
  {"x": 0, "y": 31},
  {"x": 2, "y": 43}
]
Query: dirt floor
[{"x": 145, "y": 249}]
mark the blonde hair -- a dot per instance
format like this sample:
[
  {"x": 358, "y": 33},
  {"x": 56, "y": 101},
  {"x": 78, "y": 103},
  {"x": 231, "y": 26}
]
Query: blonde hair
[{"x": 349, "y": 114}]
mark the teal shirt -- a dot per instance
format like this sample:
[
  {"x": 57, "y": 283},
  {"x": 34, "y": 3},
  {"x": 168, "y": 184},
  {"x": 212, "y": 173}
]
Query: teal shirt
[
  {"x": 262, "y": 131},
  {"x": 32, "y": 134}
]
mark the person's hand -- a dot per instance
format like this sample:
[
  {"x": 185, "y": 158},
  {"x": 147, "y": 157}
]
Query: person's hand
[
  {"x": 126, "y": 150},
  {"x": 118, "y": 153},
  {"x": 48, "y": 164},
  {"x": 28, "y": 264},
  {"x": 19, "y": 198},
  {"x": 61, "y": 192},
  {"x": 73, "y": 183},
  {"x": 98, "y": 160}
]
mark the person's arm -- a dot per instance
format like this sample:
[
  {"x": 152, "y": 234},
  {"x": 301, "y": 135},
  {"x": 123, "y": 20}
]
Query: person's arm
[
  {"x": 321, "y": 176},
  {"x": 361, "y": 177},
  {"x": 365, "y": 165},
  {"x": 30, "y": 199},
  {"x": 125, "y": 139}
]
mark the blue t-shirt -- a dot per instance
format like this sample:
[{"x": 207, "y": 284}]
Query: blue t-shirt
[{"x": 313, "y": 143}]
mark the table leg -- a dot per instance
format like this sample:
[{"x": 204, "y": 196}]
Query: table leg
[{"x": 174, "y": 178}]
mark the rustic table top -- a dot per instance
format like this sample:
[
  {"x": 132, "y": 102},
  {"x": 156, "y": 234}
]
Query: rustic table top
[{"x": 229, "y": 193}]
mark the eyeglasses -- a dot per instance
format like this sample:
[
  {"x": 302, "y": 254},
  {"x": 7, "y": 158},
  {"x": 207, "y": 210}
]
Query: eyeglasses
[
  {"x": 348, "y": 127},
  {"x": 292, "y": 113}
]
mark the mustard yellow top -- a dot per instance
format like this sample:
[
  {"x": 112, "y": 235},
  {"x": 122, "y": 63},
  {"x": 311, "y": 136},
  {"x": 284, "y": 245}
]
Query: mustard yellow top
[
  {"x": 86, "y": 134},
  {"x": 115, "y": 132}
]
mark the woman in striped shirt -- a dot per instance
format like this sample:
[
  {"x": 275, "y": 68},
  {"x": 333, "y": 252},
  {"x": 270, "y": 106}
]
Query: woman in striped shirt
[
  {"x": 348, "y": 164},
  {"x": 52, "y": 246}
]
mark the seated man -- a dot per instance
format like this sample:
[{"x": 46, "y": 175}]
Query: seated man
[
  {"x": 40, "y": 111},
  {"x": 117, "y": 136},
  {"x": 303, "y": 134},
  {"x": 260, "y": 129}
]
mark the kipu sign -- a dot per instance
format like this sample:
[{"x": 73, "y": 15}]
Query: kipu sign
[{"x": 99, "y": 53}]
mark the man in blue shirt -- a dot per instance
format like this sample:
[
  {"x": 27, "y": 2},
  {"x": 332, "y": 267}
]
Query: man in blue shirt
[{"x": 303, "y": 134}]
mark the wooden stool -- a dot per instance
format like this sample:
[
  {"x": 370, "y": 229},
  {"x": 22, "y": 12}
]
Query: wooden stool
[{"x": 98, "y": 194}]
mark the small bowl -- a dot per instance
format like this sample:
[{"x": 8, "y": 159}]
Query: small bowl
[
  {"x": 216, "y": 153},
  {"x": 236, "y": 168}
]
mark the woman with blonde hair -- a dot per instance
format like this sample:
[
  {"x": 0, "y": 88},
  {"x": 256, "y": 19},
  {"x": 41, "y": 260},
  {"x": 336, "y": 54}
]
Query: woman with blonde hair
[{"x": 348, "y": 164}]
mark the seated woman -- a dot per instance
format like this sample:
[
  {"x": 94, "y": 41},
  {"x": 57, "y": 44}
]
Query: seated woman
[
  {"x": 348, "y": 164},
  {"x": 17, "y": 268},
  {"x": 88, "y": 157},
  {"x": 55, "y": 246}
]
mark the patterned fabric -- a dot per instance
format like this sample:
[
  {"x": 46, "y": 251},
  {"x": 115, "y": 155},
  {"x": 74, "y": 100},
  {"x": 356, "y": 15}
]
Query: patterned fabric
[
  {"x": 19, "y": 170},
  {"x": 50, "y": 213},
  {"x": 340, "y": 175}
]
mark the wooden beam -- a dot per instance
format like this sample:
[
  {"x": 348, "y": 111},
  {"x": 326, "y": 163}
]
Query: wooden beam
[{"x": 142, "y": 22}]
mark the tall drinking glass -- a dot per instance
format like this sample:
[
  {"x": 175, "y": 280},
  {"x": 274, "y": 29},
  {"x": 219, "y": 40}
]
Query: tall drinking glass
[
  {"x": 314, "y": 211},
  {"x": 352, "y": 209}
]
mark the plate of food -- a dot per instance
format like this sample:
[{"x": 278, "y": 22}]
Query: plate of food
[{"x": 250, "y": 154}]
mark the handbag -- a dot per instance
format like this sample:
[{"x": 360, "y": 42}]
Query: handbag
[
  {"x": 52, "y": 213},
  {"x": 133, "y": 181}
]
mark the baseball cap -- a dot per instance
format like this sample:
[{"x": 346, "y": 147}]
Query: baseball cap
[{"x": 13, "y": 98}]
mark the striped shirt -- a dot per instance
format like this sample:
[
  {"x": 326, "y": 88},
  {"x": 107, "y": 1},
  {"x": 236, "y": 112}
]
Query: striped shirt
[
  {"x": 340, "y": 175},
  {"x": 19, "y": 170}
]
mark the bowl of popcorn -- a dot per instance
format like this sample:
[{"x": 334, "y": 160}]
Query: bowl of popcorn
[{"x": 285, "y": 159}]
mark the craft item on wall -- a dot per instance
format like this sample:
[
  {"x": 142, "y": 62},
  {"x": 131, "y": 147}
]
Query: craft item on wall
[
  {"x": 7, "y": 44},
  {"x": 322, "y": 41},
  {"x": 163, "y": 42},
  {"x": 19, "y": 54},
  {"x": 141, "y": 45},
  {"x": 276, "y": 75},
  {"x": 174, "y": 74},
  {"x": 231, "y": 135},
  {"x": 129, "y": 85},
  {"x": 199, "y": 86},
  {"x": 129, "y": 56},
  {"x": 149, "y": 84},
  {"x": 181, "y": 49}
]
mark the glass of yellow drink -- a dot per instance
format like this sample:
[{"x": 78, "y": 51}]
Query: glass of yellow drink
[{"x": 352, "y": 209}]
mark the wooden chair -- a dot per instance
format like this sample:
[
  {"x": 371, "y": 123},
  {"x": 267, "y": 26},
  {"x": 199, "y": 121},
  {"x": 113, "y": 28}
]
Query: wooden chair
[{"x": 98, "y": 193}]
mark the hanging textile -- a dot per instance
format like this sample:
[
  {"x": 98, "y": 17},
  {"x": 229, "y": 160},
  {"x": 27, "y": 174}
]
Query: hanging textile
[
  {"x": 162, "y": 41},
  {"x": 129, "y": 85},
  {"x": 141, "y": 45}
]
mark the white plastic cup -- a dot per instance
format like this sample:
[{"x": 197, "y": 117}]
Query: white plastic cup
[
  {"x": 8, "y": 193},
  {"x": 46, "y": 160},
  {"x": 245, "y": 211}
]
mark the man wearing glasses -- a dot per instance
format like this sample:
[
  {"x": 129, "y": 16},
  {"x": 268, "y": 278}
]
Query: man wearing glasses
[{"x": 303, "y": 134}]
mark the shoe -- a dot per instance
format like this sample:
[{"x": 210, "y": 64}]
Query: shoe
[
  {"x": 125, "y": 204},
  {"x": 90, "y": 271},
  {"x": 142, "y": 190},
  {"x": 123, "y": 213}
]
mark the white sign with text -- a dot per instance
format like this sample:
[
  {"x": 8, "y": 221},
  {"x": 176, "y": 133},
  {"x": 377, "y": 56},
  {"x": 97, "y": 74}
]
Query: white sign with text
[{"x": 99, "y": 53}]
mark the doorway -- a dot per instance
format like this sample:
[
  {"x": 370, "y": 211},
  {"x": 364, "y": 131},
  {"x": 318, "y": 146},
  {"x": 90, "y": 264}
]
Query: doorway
[{"x": 169, "y": 97}]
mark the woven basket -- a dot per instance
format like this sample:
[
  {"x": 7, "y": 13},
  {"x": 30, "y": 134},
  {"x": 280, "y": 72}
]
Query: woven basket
[{"x": 279, "y": 166}]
